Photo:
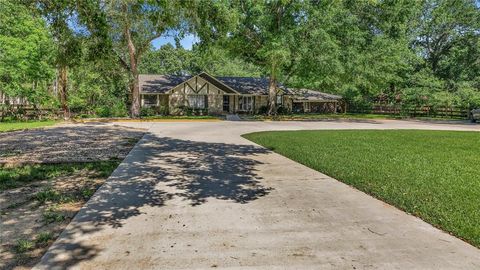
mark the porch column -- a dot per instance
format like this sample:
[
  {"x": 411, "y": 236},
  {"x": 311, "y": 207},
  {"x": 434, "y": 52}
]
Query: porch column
[{"x": 234, "y": 104}]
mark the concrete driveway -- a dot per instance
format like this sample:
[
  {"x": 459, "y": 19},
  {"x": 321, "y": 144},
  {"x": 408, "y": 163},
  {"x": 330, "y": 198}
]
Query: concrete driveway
[{"x": 197, "y": 195}]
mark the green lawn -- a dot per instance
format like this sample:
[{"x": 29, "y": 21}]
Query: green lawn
[
  {"x": 10, "y": 126},
  {"x": 326, "y": 116},
  {"x": 432, "y": 174},
  {"x": 315, "y": 116},
  {"x": 187, "y": 117}
]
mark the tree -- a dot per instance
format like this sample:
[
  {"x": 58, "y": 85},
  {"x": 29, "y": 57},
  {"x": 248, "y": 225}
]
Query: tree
[
  {"x": 267, "y": 35},
  {"x": 132, "y": 25},
  {"x": 218, "y": 61},
  {"x": 167, "y": 60},
  {"x": 61, "y": 16},
  {"x": 25, "y": 54},
  {"x": 442, "y": 25}
]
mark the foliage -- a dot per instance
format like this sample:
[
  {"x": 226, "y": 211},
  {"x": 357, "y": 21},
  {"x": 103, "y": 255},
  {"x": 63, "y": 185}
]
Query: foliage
[
  {"x": 404, "y": 52},
  {"x": 431, "y": 174},
  {"x": 25, "y": 54},
  {"x": 166, "y": 60}
]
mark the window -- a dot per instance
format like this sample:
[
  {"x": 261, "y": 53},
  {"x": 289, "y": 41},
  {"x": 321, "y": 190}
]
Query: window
[
  {"x": 150, "y": 100},
  {"x": 197, "y": 101},
  {"x": 245, "y": 103},
  {"x": 279, "y": 99}
]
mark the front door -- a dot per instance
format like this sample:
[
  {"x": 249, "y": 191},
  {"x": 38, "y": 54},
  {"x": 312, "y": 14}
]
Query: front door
[{"x": 226, "y": 103}]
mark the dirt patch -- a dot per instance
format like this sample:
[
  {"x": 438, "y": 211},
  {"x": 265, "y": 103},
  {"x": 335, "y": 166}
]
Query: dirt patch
[
  {"x": 35, "y": 214},
  {"x": 72, "y": 143},
  {"x": 46, "y": 177}
]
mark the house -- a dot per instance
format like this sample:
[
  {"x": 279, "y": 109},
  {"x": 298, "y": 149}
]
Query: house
[{"x": 204, "y": 94}]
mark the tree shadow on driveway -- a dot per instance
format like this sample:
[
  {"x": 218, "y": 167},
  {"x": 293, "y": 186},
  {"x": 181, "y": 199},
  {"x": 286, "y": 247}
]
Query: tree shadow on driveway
[{"x": 156, "y": 171}]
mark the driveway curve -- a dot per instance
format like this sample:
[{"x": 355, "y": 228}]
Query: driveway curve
[{"x": 198, "y": 195}]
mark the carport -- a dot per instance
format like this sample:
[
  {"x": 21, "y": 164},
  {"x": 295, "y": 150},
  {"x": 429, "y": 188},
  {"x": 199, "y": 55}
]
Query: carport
[{"x": 312, "y": 101}]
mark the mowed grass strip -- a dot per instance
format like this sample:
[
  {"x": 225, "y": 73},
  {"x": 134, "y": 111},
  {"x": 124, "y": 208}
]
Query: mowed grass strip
[
  {"x": 11, "y": 126},
  {"x": 434, "y": 175}
]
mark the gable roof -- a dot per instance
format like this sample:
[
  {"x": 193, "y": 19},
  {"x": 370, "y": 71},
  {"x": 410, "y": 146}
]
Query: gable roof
[
  {"x": 161, "y": 84},
  {"x": 302, "y": 94}
]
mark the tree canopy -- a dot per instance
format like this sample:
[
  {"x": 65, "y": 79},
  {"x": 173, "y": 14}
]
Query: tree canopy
[{"x": 420, "y": 52}]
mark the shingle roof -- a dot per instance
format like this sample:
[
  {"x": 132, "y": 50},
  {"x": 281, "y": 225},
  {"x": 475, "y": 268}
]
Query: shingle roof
[
  {"x": 243, "y": 85},
  {"x": 247, "y": 85},
  {"x": 159, "y": 84},
  {"x": 302, "y": 94}
]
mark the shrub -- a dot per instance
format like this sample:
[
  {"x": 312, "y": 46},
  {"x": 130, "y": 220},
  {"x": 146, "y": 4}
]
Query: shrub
[
  {"x": 103, "y": 112},
  {"x": 148, "y": 111},
  {"x": 162, "y": 110},
  {"x": 283, "y": 110},
  {"x": 263, "y": 110}
]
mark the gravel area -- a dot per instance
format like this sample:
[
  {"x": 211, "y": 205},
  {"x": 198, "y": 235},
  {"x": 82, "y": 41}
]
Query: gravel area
[{"x": 68, "y": 143}]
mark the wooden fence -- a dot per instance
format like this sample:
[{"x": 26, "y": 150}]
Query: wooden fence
[
  {"x": 424, "y": 111},
  {"x": 27, "y": 112}
]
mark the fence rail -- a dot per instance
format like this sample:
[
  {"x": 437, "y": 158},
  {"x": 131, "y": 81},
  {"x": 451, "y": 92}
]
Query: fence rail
[
  {"x": 27, "y": 112},
  {"x": 454, "y": 113}
]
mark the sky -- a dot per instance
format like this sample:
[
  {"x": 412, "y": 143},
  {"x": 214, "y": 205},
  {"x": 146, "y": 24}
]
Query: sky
[{"x": 186, "y": 42}]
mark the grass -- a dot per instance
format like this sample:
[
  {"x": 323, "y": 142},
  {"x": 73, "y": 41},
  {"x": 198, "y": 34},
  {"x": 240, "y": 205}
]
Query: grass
[
  {"x": 188, "y": 117},
  {"x": 323, "y": 116},
  {"x": 53, "y": 215},
  {"x": 431, "y": 174},
  {"x": 43, "y": 238},
  {"x": 47, "y": 194},
  {"x": 24, "y": 245},
  {"x": 11, "y": 177},
  {"x": 11, "y": 126}
]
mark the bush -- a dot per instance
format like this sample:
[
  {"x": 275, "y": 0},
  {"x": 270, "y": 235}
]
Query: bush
[
  {"x": 162, "y": 110},
  {"x": 115, "y": 110},
  {"x": 283, "y": 110},
  {"x": 148, "y": 111},
  {"x": 263, "y": 110}
]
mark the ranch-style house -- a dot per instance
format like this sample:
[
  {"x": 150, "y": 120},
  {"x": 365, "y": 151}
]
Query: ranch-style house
[{"x": 226, "y": 95}]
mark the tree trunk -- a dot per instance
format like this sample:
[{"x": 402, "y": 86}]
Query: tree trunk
[
  {"x": 272, "y": 95},
  {"x": 62, "y": 91},
  {"x": 134, "y": 85},
  {"x": 135, "y": 90}
]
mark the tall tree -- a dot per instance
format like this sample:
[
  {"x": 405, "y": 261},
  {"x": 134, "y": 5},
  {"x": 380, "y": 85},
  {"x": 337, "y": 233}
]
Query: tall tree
[
  {"x": 132, "y": 25},
  {"x": 62, "y": 20},
  {"x": 442, "y": 25},
  {"x": 25, "y": 54},
  {"x": 267, "y": 35}
]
